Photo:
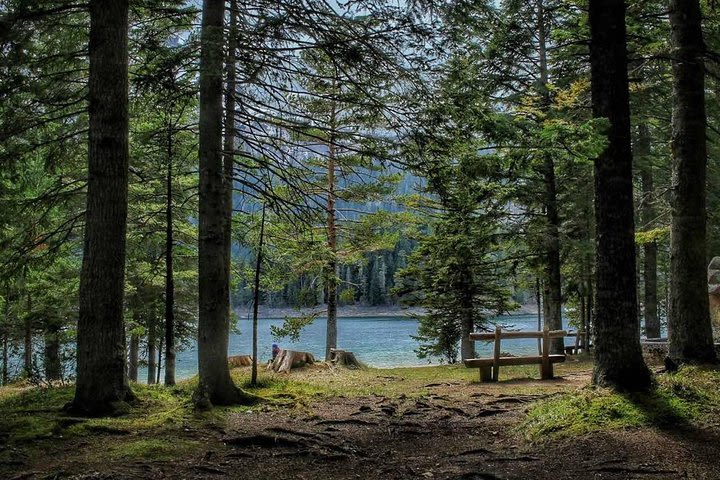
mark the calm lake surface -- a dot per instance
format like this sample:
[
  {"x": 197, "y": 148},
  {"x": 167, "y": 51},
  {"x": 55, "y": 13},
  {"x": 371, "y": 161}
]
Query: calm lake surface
[{"x": 377, "y": 341}]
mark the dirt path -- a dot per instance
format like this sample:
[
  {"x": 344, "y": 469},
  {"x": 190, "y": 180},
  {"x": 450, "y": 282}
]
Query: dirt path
[{"x": 457, "y": 431}]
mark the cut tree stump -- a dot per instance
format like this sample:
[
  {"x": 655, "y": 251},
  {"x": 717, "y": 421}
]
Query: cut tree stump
[
  {"x": 344, "y": 358},
  {"x": 289, "y": 359},
  {"x": 239, "y": 361}
]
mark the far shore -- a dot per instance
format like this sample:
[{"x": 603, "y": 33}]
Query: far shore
[{"x": 356, "y": 311}]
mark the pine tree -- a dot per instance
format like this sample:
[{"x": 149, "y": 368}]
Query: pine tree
[
  {"x": 689, "y": 328},
  {"x": 215, "y": 386},
  {"x": 101, "y": 378},
  {"x": 618, "y": 358}
]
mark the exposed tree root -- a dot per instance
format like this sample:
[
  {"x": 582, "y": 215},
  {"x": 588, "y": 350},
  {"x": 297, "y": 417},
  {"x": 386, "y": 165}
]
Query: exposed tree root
[{"x": 348, "y": 421}]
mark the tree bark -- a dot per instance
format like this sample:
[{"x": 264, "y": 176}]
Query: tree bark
[
  {"x": 331, "y": 267},
  {"x": 689, "y": 327},
  {"x": 159, "y": 360},
  {"x": 289, "y": 359},
  {"x": 151, "y": 355},
  {"x": 467, "y": 346},
  {"x": 169, "y": 275},
  {"x": 538, "y": 301},
  {"x": 101, "y": 378},
  {"x": 589, "y": 326},
  {"x": 27, "y": 337},
  {"x": 256, "y": 299},
  {"x": 647, "y": 216},
  {"x": 467, "y": 314},
  {"x": 5, "y": 355},
  {"x": 229, "y": 139},
  {"x": 53, "y": 364},
  {"x": 618, "y": 357},
  {"x": 5, "y": 332},
  {"x": 133, "y": 359},
  {"x": 553, "y": 281},
  {"x": 215, "y": 385}
]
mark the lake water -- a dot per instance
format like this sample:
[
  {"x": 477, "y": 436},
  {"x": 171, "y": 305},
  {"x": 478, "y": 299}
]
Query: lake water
[{"x": 376, "y": 341}]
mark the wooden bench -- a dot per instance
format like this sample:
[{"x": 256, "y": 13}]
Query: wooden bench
[
  {"x": 490, "y": 367},
  {"x": 581, "y": 343}
]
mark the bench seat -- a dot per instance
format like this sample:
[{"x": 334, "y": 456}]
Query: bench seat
[{"x": 505, "y": 361}]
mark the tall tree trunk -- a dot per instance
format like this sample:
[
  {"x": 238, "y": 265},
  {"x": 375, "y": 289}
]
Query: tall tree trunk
[
  {"x": 689, "y": 327},
  {"x": 229, "y": 139},
  {"x": 159, "y": 360},
  {"x": 5, "y": 332},
  {"x": 331, "y": 267},
  {"x": 589, "y": 278},
  {"x": 53, "y": 364},
  {"x": 5, "y": 355},
  {"x": 215, "y": 386},
  {"x": 618, "y": 357},
  {"x": 647, "y": 216},
  {"x": 101, "y": 378},
  {"x": 169, "y": 275},
  {"x": 151, "y": 354},
  {"x": 589, "y": 326},
  {"x": 467, "y": 320},
  {"x": 256, "y": 299},
  {"x": 27, "y": 336},
  {"x": 553, "y": 282},
  {"x": 538, "y": 301},
  {"x": 133, "y": 359}
]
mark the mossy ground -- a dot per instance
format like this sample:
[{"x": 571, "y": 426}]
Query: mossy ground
[
  {"x": 31, "y": 417},
  {"x": 687, "y": 398},
  {"x": 162, "y": 424}
]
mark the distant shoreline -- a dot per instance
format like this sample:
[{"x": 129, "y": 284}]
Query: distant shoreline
[{"x": 357, "y": 311}]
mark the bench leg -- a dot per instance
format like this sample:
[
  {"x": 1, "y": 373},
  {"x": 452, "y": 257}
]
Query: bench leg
[
  {"x": 486, "y": 374},
  {"x": 546, "y": 371}
]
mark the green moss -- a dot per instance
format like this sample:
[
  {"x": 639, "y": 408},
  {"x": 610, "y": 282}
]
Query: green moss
[
  {"x": 151, "y": 449},
  {"x": 30, "y": 413},
  {"x": 686, "y": 398}
]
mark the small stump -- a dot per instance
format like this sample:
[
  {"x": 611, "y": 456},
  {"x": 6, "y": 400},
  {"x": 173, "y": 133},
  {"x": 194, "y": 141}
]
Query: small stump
[
  {"x": 289, "y": 359},
  {"x": 236, "y": 361},
  {"x": 344, "y": 358}
]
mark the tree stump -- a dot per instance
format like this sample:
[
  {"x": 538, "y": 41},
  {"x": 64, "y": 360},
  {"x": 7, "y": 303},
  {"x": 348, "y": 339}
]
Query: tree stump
[
  {"x": 344, "y": 358},
  {"x": 289, "y": 359},
  {"x": 239, "y": 361}
]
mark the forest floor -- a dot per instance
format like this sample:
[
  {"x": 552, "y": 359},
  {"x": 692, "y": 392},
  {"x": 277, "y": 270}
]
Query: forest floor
[{"x": 404, "y": 423}]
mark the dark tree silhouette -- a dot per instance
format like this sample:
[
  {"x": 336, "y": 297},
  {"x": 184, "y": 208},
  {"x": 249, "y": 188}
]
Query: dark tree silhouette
[
  {"x": 101, "y": 379},
  {"x": 618, "y": 357},
  {"x": 689, "y": 328},
  {"x": 215, "y": 385}
]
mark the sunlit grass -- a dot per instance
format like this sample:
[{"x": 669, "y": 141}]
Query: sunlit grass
[{"x": 688, "y": 397}]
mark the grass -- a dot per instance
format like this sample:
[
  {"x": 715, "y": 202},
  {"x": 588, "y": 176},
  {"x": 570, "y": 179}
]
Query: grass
[
  {"x": 320, "y": 381},
  {"x": 153, "y": 449},
  {"x": 162, "y": 423},
  {"x": 28, "y": 414},
  {"x": 689, "y": 397}
]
